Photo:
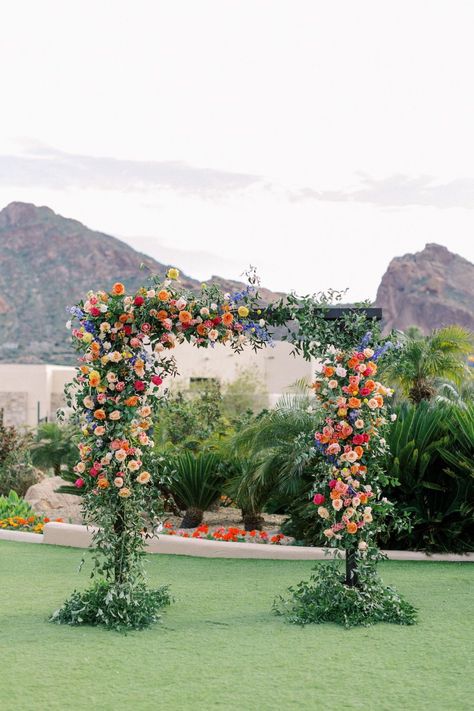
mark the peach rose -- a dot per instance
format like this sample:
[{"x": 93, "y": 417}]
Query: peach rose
[
  {"x": 144, "y": 477},
  {"x": 99, "y": 431},
  {"x": 124, "y": 493},
  {"x": 115, "y": 415}
]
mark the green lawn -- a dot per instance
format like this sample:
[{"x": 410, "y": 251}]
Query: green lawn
[{"x": 219, "y": 646}]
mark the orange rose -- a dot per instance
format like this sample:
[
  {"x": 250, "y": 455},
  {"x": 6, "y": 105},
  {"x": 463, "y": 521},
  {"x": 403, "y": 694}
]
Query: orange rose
[
  {"x": 163, "y": 295},
  {"x": 328, "y": 371},
  {"x": 102, "y": 483},
  {"x": 352, "y": 362},
  {"x": 227, "y": 318},
  {"x": 335, "y": 495},
  {"x": 118, "y": 289},
  {"x": 359, "y": 451},
  {"x": 185, "y": 316},
  {"x": 123, "y": 318},
  {"x": 161, "y": 315},
  {"x": 351, "y": 527},
  {"x": 201, "y": 329},
  {"x": 354, "y": 402},
  {"x": 369, "y": 384},
  {"x": 131, "y": 401},
  {"x": 100, "y": 414}
]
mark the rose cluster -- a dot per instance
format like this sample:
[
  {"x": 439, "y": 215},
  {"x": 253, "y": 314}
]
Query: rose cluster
[
  {"x": 351, "y": 441},
  {"x": 125, "y": 342}
]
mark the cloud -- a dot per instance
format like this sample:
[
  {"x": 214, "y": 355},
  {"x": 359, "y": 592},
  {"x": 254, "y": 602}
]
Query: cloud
[
  {"x": 397, "y": 191},
  {"x": 42, "y": 166},
  {"x": 46, "y": 167}
]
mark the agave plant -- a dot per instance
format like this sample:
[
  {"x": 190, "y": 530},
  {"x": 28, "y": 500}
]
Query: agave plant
[
  {"x": 436, "y": 484},
  {"x": 196, "y": 482}
]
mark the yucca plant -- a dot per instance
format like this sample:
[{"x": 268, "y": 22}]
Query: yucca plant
[{"x": 196, "y": 482}]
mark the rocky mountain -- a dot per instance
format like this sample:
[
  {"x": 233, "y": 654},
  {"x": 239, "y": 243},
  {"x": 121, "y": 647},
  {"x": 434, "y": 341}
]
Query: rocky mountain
[
  {"x": 48, "y": 262},
  {"x": 429, "y": 289}
]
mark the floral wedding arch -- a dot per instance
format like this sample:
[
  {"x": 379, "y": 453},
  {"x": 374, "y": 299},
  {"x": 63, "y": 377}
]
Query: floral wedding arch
[{"x": 125, "y": 344}]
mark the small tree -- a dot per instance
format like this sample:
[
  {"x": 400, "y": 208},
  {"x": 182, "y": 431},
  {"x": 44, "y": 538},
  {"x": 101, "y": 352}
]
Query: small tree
[{"x": 425, "y": 362}]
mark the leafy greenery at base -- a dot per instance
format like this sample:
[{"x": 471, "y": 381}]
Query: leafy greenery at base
[
  {"x": 326, "y": 598},
  {"x": 118, "y": 607}
]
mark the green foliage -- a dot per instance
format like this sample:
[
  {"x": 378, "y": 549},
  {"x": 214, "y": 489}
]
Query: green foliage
[
  {"x": 13, "y": 505},
  {"x": 115, "y": 606},
  {"x": 186, "y": 419},
  {"x": 423, "y": 363},
  {"x": 16, "y": 471},
  {"x": 308, "y": 329},
  {"x": 196, "y": 480},
  {"x": 281, "y": 442},
  {"x": 54, "y": 447},
  {"x": 431, "y": 450},
  {"x": 244, "y": 395},
  {"x": 326, "y": 598}
]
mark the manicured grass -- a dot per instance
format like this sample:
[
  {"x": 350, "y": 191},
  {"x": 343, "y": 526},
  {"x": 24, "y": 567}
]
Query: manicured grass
[{"x": 219, "y": 646}]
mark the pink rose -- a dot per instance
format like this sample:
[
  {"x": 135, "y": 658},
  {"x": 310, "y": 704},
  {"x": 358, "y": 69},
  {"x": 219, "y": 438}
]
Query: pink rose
[
  {"x": 332, "y": 483},
  {"x": 318, "y": 499},
  {"x": 139, "y": 386},
  {"x": 138, "y": 301},
  {"x": 120, "y": 386},
  {"x": 156, "y": 380},
  {"x": 79, "y": 483}
]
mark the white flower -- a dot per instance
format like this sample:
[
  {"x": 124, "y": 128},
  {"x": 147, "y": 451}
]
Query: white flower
[
  {"x": 393, "y": 416},
  {"x": 204, "y": 311},
  {"x": 69, "y": 325},
  {"x": 318, "y": 366},
  {"x": 213, "y": 307},
  {"x": 341, "y": 372},
  {"x": 261, "y": 323},
  {"x": 151, "y": 293}
]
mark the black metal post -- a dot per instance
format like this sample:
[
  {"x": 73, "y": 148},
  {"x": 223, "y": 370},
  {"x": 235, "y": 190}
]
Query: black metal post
[{"x": 352, "y": 578}]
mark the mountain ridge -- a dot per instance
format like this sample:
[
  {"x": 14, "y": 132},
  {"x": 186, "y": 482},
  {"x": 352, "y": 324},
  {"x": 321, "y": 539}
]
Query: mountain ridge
[{"x": 48, "y": 262}]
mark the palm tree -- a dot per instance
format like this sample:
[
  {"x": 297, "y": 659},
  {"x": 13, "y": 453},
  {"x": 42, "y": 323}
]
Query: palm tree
[
  {"x": 425, "y": 363},
  {"x": 53, "y": 447},
  {"x": 280, "y": 445}
]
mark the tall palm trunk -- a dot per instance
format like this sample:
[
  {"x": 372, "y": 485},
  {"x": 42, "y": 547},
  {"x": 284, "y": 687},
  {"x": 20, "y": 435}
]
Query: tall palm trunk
[{"x": 192, "y": 518}]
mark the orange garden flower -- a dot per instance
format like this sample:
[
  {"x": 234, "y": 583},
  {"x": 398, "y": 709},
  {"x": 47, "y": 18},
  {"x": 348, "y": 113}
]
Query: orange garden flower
[
  {"x": 201, "y": 329},
  {"x": 102, "y": 483},
  {"x": 163, "y": 295},
  {"x": 100, "y": 414},
  {"x": 354, "y": 402},
  {"x": 351, "y": 527},
  {"x": 118, "y": 289},
  {"x": 131, "y": 401},
  {"x": 185, "y": 316},
  {"x": 227, "y": 318}
]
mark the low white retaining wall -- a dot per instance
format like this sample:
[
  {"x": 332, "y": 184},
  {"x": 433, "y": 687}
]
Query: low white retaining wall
[{"x": 75, "y": 536}]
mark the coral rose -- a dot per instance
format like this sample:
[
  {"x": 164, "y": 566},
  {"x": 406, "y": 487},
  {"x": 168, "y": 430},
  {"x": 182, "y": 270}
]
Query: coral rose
[
  {"x": 227, "y": 318},
  {"x": 351, "y": 527},
  {"x": 100, "y": 414}
]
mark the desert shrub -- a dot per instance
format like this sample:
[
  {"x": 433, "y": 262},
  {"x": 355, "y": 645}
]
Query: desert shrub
[{"x": 16, "y": 471}]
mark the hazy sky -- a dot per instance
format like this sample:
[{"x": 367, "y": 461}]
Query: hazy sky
[{"x": 313, "y": 139}]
